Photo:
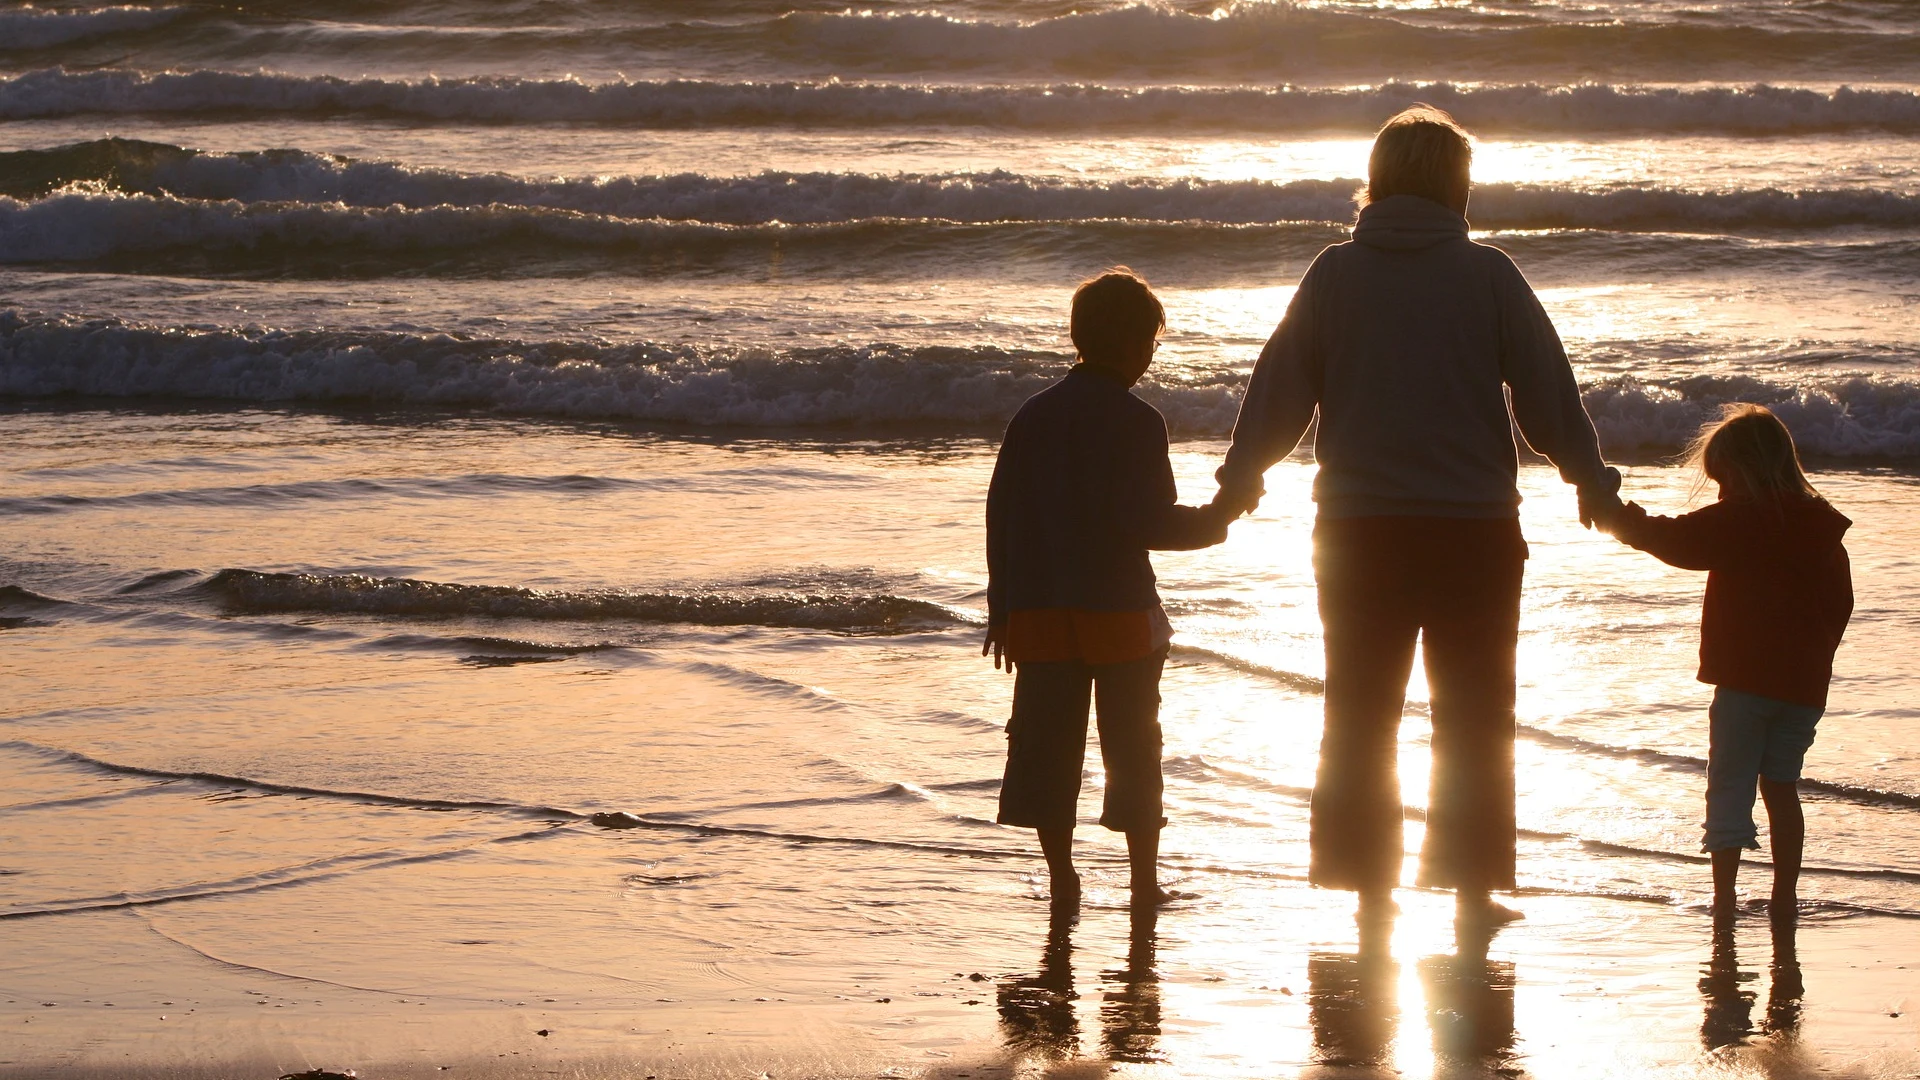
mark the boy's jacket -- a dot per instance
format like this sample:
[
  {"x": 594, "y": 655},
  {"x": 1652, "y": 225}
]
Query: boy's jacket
[{"x": 1082, "y": 489}]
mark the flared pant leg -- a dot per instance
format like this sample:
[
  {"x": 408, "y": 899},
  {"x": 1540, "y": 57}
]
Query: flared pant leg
[
  {"x": 1369, "y": 629},
  {"x": 1386, "y": 584},
  {"x": 1470, "y": 632}
]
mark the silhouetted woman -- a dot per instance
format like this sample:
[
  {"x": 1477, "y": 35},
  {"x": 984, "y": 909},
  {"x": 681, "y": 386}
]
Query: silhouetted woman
[{"x": 1408, "y": 342}]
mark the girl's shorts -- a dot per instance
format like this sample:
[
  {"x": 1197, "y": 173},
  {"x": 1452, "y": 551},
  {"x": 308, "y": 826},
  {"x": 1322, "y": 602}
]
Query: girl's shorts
[{"x": 1751, "y": 737}]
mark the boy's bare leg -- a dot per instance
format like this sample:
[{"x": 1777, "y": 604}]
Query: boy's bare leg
[
  {"x": 1064, "y": 881},
  {"x": 1787, "y": 827},
  {"x": 1726, "y": 866},
  {"x": 1143, "y": 859}
]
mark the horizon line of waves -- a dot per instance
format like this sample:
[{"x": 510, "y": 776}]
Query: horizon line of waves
[
  {"x": 26, "y": 28},
  {"x": 253, "y": 592},
  {"x": 75, "y": 202},
  {"x": 473, "y": 485},
  {"x": 1830, "y": 790},
  {"x": 1196, "y": 767},
  {"x": 1240, "y": 41},
  {"x": 616, "y": 821},
  {"x": 15, "y": 597},
  {"x": 949, "y": 389},
  {"x": 1532, "y": 108},
  {"x": 280, "y": 878},
  {"x": 222, "y": 780}
]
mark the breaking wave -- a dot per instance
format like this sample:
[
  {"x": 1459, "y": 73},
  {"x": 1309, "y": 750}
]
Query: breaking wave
[
  {"x": 880, "y": 386},
  {"x": 90, "y": 199},
  {"x": 1587, "y": 108},
  {"x": 27, "y": 27},
  {"x": 253, "y": 592}
]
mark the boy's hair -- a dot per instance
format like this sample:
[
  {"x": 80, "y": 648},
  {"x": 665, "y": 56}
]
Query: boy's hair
[
  {"x": 1749, "y": 450},
  {"x": 1112, "y": 311},
  {"x": 1421, "y": 151}
]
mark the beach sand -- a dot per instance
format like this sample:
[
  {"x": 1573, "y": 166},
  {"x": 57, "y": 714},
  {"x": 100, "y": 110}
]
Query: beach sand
[{"x": 1258, "y": 978}]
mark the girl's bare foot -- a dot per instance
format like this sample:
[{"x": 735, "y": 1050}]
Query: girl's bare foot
[{"x": 1154, "y": 896}]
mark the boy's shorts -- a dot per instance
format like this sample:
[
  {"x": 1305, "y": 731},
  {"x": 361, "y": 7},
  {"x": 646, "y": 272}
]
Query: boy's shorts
[
  {"x": 1047, "y": 743},
  {"x": 1750, "y": 737}
]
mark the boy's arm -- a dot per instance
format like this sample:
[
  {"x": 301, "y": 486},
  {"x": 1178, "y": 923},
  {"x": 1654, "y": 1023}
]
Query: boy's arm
[
  {"x": 1696, "y": 541},
  {"x": 1282, "y": 395},
  {"x": 1165, "y": 525},
  {"x": 997, "y": 495}
]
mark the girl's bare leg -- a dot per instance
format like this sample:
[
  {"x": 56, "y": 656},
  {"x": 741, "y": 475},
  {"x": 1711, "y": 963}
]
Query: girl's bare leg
[
  {"x": 1726, "y": 866},
  {"x": 1787, "y": 826}
]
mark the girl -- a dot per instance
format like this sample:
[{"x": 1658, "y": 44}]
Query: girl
[{"x": 1779, "y": 594}]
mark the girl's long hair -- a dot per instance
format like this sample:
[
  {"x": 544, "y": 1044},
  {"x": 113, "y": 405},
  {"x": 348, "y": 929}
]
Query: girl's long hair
[{"x": 1750, "y": 452}]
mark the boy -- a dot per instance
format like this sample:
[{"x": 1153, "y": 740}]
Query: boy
[{"x": 1082, "y": 491}]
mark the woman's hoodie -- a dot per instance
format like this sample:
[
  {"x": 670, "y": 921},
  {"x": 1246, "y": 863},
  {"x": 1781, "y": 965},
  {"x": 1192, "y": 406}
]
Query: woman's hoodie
[{"x": 1407, "y": 341}]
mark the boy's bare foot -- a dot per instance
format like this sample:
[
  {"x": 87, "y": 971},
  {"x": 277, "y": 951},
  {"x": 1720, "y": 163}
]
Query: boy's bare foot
[
  {"x": 1064, "y": 888},
  {"x": 1781, "y": 904}
]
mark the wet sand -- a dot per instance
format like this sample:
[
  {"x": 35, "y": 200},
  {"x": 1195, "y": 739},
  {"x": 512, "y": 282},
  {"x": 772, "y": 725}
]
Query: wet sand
[{"x": 1582, "y": 988}]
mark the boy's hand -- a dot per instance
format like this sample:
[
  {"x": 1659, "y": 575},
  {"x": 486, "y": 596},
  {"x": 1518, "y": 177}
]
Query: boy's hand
[
  {"x": 1220, "y": 516},
  {"x": 996, "y": 644}
]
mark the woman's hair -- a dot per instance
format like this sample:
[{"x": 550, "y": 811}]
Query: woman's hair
[
  {"x": 1750, "y": 451},
  {"x": 1112, "y": 312},
  {"x": 1421, "y": 151}
]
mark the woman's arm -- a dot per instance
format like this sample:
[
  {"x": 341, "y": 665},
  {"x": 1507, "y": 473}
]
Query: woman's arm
[{"x": 1282, "y": 395}]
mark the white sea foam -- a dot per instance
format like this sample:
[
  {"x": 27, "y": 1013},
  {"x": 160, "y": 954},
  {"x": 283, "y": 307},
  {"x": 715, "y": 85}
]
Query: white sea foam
[
  {"x": 873, "y": 387},
  {"x": 400, "y": 209},
  {"x": 1577, "y": 109},
  {"x": 28, "y": 27}
]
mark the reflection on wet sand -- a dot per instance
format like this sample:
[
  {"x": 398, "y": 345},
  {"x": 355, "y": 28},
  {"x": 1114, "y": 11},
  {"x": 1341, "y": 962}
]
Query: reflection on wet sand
[
  {"x": 1037, "y": 1014},
  {"x": 1729, "y": 999},
  {"x": 1354, "y": 1007},
  {"x": 1130, "y": 1009},
  {"x": 1036, "y": 1011},
  {"x": 1470, "y": 1004}
]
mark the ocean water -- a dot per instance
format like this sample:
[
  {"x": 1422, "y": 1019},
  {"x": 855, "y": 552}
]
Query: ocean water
[{"x": 495, "y": 489}]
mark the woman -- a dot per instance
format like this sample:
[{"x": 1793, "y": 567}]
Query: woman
[{"x": 1409, "y": 341}]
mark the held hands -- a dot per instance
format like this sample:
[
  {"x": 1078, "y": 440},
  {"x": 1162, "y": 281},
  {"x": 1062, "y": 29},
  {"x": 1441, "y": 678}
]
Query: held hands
[{"x": 1600, "y": 502}]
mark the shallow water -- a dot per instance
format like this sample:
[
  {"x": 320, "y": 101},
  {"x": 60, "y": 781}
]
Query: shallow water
[{"x": 432, "y": 425}]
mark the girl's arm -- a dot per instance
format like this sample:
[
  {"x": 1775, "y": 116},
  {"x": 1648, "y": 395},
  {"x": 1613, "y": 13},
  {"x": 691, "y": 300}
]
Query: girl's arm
[{"x": 1697, "y": 541}]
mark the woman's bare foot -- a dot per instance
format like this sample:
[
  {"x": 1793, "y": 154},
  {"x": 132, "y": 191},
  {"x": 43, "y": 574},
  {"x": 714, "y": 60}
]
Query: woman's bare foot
[
  {"x": 1478, "y": 908},
  {"x": 1376, "y": 906}
]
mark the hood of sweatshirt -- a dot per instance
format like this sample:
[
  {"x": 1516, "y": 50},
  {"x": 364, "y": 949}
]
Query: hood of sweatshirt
[
  {"x": 1407, "y": 223},
  {"x": 1817, "y": 524},
  {"x": 1802, "y": 525}
]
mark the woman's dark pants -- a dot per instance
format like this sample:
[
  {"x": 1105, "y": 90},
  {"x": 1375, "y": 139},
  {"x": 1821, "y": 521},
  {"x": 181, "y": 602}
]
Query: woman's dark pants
[{"x": 1452, "y": 584}]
